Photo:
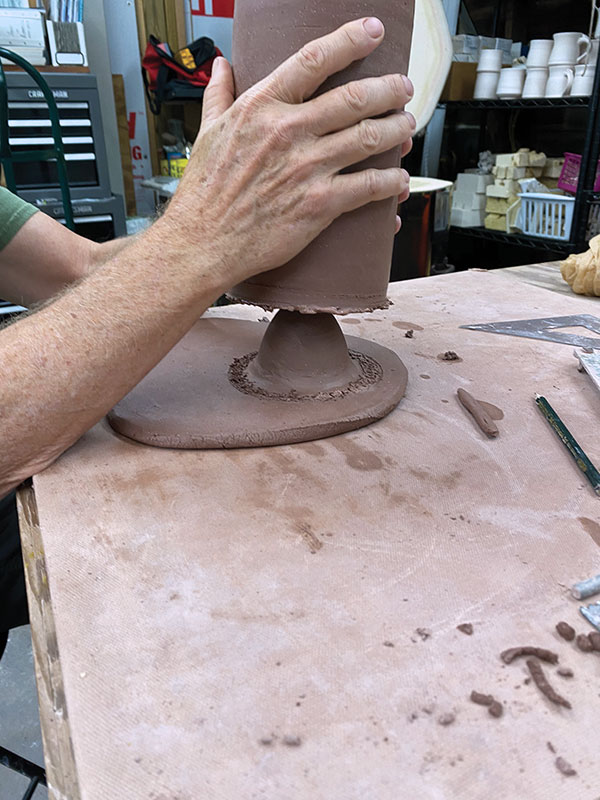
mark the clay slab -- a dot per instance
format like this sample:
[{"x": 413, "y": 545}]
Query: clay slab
[{"x": 187, "y": 401}]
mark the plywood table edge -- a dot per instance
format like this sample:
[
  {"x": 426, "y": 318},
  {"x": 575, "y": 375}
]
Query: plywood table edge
[{"x": 61, "y": 771}]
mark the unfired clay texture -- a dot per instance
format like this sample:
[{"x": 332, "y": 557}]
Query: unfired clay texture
[{"x": 347, "y": 267}]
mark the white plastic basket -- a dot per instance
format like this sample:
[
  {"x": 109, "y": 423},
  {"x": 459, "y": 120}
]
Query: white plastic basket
[{"x": 548, "y": 216}]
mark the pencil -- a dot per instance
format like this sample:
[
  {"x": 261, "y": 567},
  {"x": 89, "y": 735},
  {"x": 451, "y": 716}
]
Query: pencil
[{"x": 560, "y": 429}]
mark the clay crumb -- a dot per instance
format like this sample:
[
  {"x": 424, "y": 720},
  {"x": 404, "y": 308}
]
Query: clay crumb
[
  {"x": 424, "y": 633},
  {"x": 449, "y": 355},
  {"x": 481, "y": 699},
  {"x": 550, "y": 747},
  {"x": 583, "y": 643},
  {"x": 292, "y": 741},
  {"x": 541, "y": 681},
  {"x": 388, "y": 644},
  {"x": 446, "y": 719},
  {"x": 565, "y": 672},
  {"x": 496, "y": 709},
  {"x": 465, "y": 627},
  {"x": 409, "y": 334},
  {"x": 539, "y": 652},
  {"x": 565, "y": 630},
  {"x": 563, "y": 766},
  {"x": 267, "y": 741},
  {"x": 594, "y": 638}
]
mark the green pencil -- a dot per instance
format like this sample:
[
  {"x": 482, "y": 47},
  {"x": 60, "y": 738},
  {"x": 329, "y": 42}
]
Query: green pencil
[{"x": 560, "y": 429}]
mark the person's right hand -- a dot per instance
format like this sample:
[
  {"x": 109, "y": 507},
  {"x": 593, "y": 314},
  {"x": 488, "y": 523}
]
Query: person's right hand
[{"x": 264, "y": 176}]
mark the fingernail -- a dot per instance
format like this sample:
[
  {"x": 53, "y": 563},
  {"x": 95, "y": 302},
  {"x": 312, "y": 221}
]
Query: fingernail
[
  {"x": 406, "y": 176},
  {"x": 217, "y": 63},
  {"x": 374, "y": 27},
  {"x": 410, "y": 89},
  {"x": 411, "y": 119}
]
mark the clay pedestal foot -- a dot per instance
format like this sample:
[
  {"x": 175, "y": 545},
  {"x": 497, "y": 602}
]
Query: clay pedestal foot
[{"x": 228, "y": 383}]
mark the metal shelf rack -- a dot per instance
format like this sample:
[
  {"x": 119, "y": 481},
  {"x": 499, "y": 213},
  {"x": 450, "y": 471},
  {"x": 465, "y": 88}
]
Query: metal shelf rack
[{"x": 585, "y": 197}]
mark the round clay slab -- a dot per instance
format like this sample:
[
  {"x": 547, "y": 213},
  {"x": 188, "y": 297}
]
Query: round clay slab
[{"x": 188, "y": 402}]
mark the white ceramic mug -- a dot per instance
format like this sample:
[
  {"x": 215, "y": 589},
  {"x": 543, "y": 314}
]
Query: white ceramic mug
[
  {"x": 490, "y": 61},
  {"x": 510, "y": 84},
  {"x": 559, "y": 81},
  {"x": 583, "y": 82},
  {"x": 569, "y": 48},
  {"x": 535, "y": 82},
  {"x": 592, "y": 56},
  {"x": 539, "y": 52},
  {"x": 485, "y": 86}
]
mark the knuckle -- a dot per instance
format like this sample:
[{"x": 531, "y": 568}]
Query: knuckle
[
  {"x": 281, "y": 133},
  {"x": 312, "y": 57},
  {"x": 356, "y": 97},
  {"x": 373, "y": 182},
  {"x": 369, "y": 135},
  {"x": 318, "y": 202},
  {"x": 397, "y": 87}
]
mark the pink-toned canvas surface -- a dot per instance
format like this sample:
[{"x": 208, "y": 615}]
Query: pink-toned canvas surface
[{"x": 206, "y": 601}]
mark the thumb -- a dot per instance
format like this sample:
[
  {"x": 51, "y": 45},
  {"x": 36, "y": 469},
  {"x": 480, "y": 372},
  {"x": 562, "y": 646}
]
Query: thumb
[{"x": 220, "y": 92}]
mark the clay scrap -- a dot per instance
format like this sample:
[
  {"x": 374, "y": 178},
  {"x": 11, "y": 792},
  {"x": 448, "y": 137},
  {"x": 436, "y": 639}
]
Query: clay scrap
[
  {"x": 583, "y": 643},
  {"x": 543, "y": 684},
  {"x": 478, "y": 412},
  {"x": 563, "y": 766},
  {"x": 494, "y": 707},
  {"x": 565, "y": 630},
  {"x": 539, "y": 652},
  {"x": 465, "y": 627}
]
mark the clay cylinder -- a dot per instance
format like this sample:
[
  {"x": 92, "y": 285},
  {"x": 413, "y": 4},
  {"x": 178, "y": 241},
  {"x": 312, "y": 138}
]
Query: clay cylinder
[{"x": 347, "y": 267}]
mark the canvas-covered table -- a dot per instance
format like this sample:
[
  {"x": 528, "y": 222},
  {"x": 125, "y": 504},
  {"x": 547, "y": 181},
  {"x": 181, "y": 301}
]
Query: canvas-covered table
[{"x": 281, "y": 622}]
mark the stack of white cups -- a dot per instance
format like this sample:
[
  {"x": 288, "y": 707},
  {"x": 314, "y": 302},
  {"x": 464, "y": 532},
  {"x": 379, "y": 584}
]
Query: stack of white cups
[
  {"x": 583, "y": 80},
  {"x": 488, "y": 74},
  {"x": 569, "y": 50},
  {"x": 537, "y": 67}
]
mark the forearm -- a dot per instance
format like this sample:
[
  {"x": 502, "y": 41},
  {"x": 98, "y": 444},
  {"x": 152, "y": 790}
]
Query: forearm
[
  {"x": 100, "y": 253},
  {"x": 65, "y": 366}
]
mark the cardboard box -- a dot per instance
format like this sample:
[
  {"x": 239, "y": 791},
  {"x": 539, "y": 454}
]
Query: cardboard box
[{"x": 461, "y": 81}]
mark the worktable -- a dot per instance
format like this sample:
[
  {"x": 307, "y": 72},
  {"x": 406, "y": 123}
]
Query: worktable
[{"x": 281, "y": 622}]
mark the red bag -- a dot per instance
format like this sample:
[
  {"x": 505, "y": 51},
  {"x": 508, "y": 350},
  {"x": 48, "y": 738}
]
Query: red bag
[{"x": 182, "y": 76}]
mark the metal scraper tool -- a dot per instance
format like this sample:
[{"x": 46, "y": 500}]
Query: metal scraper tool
[
  {"x": 590, "y": 363},
  {"x": 545, "y": 328}
]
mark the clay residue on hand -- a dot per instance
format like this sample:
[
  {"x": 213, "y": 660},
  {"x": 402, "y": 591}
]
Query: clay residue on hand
[{"x": 465, "y": 627}]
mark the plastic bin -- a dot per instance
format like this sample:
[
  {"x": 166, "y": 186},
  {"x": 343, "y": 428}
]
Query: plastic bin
[
  {"x": 569, "y": 174},
  {"x": 547, "y": 216}
]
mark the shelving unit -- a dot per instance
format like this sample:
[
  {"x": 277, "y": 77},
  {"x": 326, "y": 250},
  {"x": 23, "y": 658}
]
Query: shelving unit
[
  {"x": 585, "y": 197},
  {"x": 570, "y": 123}
]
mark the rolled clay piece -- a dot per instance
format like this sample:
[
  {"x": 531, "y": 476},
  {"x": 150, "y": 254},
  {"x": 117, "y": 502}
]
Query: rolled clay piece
[
  {"x": 582, "y": 270},
  {"x": 478, "y": 412}
]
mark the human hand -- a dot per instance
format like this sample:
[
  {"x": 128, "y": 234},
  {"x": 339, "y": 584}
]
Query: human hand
[{"x": 264, "y": 178}]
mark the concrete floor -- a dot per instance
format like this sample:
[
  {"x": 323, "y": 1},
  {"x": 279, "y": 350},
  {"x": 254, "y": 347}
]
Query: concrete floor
[{"x": 19, "y": 719}]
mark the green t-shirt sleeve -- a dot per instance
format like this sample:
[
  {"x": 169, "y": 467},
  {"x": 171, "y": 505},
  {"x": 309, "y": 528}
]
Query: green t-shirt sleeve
[{"x": 14, "y": 213}]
